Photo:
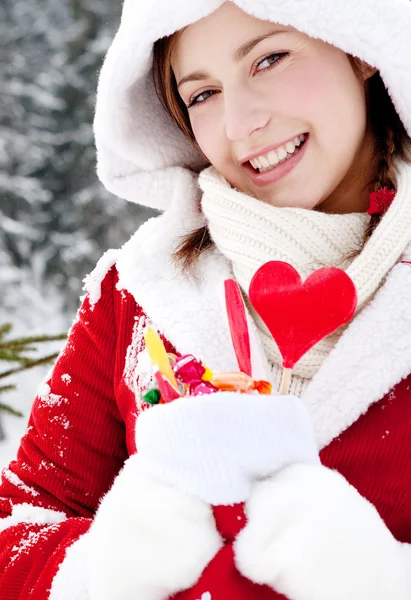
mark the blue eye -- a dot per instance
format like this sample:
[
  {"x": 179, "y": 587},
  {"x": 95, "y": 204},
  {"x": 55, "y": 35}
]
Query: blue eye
[
  {"x": 271, "y": 59},
  {"x": 195, "y": 99}
]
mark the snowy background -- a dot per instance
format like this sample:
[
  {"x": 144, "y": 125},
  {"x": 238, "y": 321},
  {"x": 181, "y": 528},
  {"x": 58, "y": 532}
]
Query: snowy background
[{"x": 55, "y": 218}]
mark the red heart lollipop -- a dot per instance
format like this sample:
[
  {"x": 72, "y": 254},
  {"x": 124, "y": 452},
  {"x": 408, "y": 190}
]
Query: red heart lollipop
[{"x": 299, "y": 314}]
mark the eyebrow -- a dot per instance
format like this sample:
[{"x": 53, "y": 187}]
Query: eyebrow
[{"x": 239, "y": 55}]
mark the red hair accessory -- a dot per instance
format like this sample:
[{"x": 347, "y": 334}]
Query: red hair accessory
[{"x": 380, "y": 201}]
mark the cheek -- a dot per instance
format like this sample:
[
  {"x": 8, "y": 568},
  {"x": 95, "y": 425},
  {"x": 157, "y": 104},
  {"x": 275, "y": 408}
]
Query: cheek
[
  {"x": 329, "y": 96},
  {"x": 209, "y": 135}
]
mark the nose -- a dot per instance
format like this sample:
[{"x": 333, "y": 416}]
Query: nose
[{"x": 243, "y": 114}]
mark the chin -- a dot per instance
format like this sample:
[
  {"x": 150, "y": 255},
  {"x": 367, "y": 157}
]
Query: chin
[{"x": 288, "y": 201}]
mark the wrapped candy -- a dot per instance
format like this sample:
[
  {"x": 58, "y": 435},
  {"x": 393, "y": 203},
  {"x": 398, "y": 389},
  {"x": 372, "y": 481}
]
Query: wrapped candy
[
  {"x": 187, "y": 369},
  {"x": 199, "y": 388},
  {"x": 177, "y": 376},
  {"x": 240, "y": 382}
]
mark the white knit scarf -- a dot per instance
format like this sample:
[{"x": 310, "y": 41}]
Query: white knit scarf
[{"x": 250, "y": 232}]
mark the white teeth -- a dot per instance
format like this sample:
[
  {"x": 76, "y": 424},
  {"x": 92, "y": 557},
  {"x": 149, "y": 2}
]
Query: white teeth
[
  {"x": 282, "y": 153},
  {"x": 256, "y": 163},
  {"x": 290, "y": 147},
  {"x": 264, "y": 163},
  {"x": 273, "y": 158}
]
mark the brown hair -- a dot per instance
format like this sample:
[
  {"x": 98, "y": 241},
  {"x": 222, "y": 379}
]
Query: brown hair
[{"x": 392, "y": 140}]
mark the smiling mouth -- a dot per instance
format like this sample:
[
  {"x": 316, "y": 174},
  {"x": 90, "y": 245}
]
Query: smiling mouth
[{"x": 271, "y": 167}]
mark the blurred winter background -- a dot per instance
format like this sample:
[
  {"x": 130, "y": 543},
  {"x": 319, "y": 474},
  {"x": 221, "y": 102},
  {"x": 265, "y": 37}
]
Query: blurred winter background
[{"x": 55, "y": 218}]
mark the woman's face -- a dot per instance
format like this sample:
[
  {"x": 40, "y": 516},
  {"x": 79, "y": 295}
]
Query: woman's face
[{"x": 256, "y": 89}]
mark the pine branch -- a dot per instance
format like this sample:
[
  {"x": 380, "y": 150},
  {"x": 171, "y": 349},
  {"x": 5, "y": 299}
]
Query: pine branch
[
  {"x": 29, "y": 365},
  {"x": 37, "y": 339},
  {"x": 7, "y": 388},
  {"x": 15, "y": 351},
  {"x": 11, "y": 349},
  {"x": 4, "y": 330},
  {"x": 10, "y": 410}
]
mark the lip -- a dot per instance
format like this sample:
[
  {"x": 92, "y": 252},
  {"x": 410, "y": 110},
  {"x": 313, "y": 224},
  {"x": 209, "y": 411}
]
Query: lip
[
  {"x": 279, "y": 171},
  {"x": 268, "y": 149}
]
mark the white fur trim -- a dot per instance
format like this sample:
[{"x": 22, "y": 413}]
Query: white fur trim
[
  {"x": 93, "y": 281},
  {"x": 69, "y": 583},
  {"x": 216, "y": 445},
  {"x": 140, "y": 150},
  {"x": 148, "y": 540},
  {"x": 172, "y": 302},
  {"x": 310, "y": 534},
  {"x": 406, "y": 255},
  {"x": 36, "y": 515},
  {"x": 371, "y": 357}
]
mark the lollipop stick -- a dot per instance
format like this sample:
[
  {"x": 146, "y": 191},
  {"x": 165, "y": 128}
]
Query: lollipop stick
[{"x": 285, "y": 381}]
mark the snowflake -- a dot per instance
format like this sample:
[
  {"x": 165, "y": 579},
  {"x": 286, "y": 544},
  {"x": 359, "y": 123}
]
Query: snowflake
[{"x": 47, "y": 398}]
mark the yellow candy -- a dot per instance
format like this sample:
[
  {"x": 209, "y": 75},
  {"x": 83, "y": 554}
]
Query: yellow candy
[
  {"x": 208, "y": 375},
  {"x": 158, "y": 355}
]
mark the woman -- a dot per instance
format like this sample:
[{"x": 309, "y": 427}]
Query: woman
[{"x": 268, "y": 131}]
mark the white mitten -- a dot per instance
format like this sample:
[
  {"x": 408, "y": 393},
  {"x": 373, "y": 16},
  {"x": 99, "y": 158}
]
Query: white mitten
[
  {"x": 311, "y": 536},
  {"x": 215, "y": 446},
  {"x": 154, "y": 532},
  {"x": 148, "y": 540}
]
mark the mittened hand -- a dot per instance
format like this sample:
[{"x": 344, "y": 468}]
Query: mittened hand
[
  {"x": 311, "y": 536},
  {"x": 148, "y": 540},
  {"x": 215, "y": 446}
]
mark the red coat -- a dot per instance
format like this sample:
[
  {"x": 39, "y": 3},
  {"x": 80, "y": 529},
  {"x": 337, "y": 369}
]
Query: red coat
[{"x": 81, "y": 430}]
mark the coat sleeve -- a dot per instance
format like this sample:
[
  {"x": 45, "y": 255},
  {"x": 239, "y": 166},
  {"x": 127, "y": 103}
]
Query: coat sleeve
[{"x": 72, "y": 451}]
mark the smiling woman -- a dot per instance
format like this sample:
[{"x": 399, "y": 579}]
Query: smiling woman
[
  {"x": 254, "y": 102},
  {"x": 277, "y": 132}
]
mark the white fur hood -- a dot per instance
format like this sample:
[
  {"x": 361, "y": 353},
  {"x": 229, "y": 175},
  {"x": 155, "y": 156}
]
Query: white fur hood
[{"x": 143, "y": 157}]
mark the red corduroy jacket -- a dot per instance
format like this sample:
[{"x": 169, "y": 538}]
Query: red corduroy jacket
[{"x": 81, "y": 430}]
